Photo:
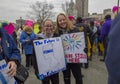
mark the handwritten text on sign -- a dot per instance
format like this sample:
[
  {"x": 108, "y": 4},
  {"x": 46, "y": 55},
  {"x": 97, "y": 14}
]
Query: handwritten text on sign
[
  {"x": 50, "y": 56},
  {"x": 74, "y": 45}
]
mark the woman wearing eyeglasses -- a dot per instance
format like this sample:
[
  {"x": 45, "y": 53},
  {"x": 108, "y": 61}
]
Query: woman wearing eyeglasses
[{"x": 47, "y": 32}]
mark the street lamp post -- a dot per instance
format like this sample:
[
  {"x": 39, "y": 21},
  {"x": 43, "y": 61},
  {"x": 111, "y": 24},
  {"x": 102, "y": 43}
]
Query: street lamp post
[
  {"x": 118, "y": 6},
  {"x": 21, "y": 23},
  {"x": 83, "y": 8}
]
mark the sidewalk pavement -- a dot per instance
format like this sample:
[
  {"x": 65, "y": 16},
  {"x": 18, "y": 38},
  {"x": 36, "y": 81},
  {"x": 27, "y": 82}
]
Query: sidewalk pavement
[{"x": 95, "y": 74}]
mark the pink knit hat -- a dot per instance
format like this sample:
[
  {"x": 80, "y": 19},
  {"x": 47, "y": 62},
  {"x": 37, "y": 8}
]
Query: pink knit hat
[
  {"x": 114, "y": 9},
  {"x": 71, "y": 17}
]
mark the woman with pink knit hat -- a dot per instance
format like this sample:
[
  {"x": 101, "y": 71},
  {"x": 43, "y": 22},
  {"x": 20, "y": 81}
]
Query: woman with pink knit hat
[
  {"x": 115, "y": 10},
  {"x": 72, "y": 19}
]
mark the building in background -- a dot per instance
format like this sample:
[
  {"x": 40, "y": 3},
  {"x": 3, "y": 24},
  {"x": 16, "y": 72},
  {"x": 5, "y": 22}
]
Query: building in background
[
  {"x": 102, "y": 15},
  {"x": 108, "y": 11},
  {"x": 72, "y": 9},
  {"x": 76, "y": 8},
  {"x": 20, "y": 22},
  {"x": 82, "y": 8}
]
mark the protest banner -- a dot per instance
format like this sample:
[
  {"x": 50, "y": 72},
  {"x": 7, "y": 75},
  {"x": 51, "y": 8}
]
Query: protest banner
[
  {"x": 10, "y": 28},
  {"x": 74, "y": 45},
  {"x": 50, "y": 56},
  {"x": 36, "y": 28},
  {"x": 0, "y": 24},
  {"x": 4, "y": 77}
]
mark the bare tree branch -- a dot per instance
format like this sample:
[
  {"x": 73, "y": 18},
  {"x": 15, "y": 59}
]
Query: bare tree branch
[
  {"x": 65, "y": 7},
  {"x": 41, "y": 11}
]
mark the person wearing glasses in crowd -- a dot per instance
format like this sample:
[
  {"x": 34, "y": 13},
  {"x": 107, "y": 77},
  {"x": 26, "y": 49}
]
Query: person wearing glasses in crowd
[{"x": 47, "y": 32}]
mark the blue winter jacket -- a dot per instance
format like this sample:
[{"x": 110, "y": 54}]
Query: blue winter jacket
[
  {"x": 113, "y": 53},
  {"x": 105, "y": 28},
  {"x": 9, "y": 47},
  {"x": 27, "y": 46}
]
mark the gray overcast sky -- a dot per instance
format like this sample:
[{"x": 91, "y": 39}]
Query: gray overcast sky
[{"x": 10, "y": 10}]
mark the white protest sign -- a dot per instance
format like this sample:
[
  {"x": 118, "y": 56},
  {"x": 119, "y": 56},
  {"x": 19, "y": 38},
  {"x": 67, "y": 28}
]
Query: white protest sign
[
  {"x": 50, "y": 56},
  {"x": 74, "y": 45},
  {"x": 4, "y": 77}
]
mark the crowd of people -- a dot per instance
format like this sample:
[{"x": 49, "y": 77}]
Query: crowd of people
[{"x": 96, "y": 41}]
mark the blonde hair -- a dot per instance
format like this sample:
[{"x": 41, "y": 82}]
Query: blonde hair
[
  {"x": 28, "y": 29},
  {"x": 70, "y": 26}
]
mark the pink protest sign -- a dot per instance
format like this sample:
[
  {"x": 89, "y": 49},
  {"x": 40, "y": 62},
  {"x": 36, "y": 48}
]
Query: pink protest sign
[
  {"x": 10, "y": 28},
  {"x": 29, "y": 23}
]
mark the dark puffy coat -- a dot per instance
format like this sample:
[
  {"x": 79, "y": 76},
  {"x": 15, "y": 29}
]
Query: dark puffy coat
[{"x": 113, "y": 53}]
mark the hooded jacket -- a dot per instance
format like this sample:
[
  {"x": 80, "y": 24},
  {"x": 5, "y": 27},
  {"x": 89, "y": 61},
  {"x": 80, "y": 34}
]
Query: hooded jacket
[
  {"x": 9, "y": 47},
  {"x": 105, "y": 28},
  {"x": 27, "y": 46}
]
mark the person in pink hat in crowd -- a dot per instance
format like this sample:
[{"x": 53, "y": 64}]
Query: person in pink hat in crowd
[
  {"x": 72, "y": 19},
  {"x": 115, "y": 10},
  {"x": 26, "y": 38}
]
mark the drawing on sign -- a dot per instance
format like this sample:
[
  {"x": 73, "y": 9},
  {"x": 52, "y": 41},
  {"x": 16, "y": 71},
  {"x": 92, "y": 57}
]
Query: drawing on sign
[
  {"x": 71, "y": 42},
  {"x": 48, "y": 55}
]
